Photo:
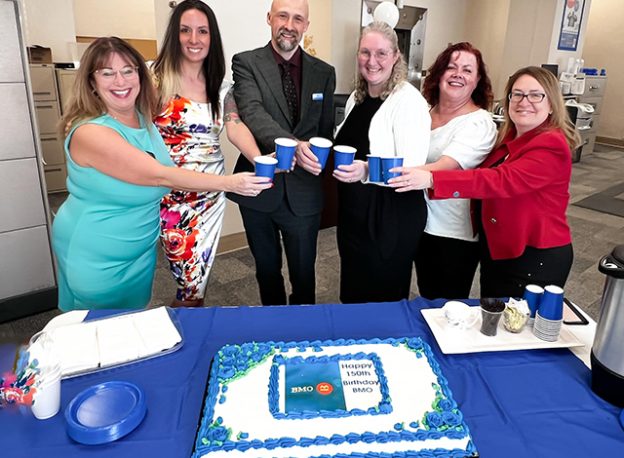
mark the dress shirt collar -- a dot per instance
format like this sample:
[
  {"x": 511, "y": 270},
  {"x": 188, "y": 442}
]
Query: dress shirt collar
[{"x": 295, "y": 60}]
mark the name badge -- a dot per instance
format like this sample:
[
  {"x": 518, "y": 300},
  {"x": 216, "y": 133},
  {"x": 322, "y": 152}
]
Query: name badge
[{"x": 317, "y": 96}]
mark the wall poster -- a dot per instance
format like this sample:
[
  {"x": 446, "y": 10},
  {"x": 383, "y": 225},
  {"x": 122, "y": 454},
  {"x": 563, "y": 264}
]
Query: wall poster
[{"x": 571, "y": 24}]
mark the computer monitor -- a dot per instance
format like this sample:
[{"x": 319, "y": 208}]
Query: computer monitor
[{"x": 553, "y": 68}]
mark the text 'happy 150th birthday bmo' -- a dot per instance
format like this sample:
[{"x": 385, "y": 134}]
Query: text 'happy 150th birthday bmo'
[{"x": 341, "y": 383}]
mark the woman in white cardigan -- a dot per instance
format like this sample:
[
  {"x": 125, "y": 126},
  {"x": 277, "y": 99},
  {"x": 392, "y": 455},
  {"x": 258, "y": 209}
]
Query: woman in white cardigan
[{"x": 379, "y": 229}]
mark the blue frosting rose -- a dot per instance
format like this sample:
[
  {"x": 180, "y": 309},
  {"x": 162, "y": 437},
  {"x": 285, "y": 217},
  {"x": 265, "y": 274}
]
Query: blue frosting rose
[
  {"x": 434, "y": 420},
  {"x": 218, "y": 434}
]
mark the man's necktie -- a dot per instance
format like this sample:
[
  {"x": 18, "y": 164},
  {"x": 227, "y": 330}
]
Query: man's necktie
[{"x": 290, "y": 91}]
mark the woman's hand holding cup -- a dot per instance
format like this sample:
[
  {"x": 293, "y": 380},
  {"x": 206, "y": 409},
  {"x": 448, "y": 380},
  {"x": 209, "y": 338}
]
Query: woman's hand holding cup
[
  {"x": 248, "y": 184},
  {"x": 356, "y": 171},
  {"x": 411, "y": 179}
]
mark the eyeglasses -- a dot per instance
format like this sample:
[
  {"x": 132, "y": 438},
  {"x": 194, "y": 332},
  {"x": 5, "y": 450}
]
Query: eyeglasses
[
  {"x": 532, "y": 97},
  {"x": 126, "y": 73},
  {"x": 381, "y": 55}
]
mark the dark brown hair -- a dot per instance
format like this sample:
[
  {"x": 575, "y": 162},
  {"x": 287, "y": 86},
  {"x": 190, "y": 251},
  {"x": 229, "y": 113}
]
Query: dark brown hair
[
  {"x": 167, "y": 65},
  {"x": 482, "y": 96}
]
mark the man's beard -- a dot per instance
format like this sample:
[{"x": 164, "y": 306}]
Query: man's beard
[{"x": 286, "y": 44}]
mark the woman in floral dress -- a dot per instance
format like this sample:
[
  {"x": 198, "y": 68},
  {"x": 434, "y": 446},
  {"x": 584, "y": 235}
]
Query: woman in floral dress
[{"x": 197, "y": 103}]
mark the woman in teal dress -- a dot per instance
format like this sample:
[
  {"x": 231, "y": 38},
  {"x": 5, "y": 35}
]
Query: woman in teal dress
[{"x": 105, "y": 235}]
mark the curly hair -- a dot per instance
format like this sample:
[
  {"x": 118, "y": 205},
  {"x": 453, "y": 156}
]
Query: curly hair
[
  {"x": 482, "y": 95},
  {"x": 399, "y": 70}
]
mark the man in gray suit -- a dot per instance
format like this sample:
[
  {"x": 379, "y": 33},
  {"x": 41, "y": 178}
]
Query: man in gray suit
[{"x": 281, "y": 91}]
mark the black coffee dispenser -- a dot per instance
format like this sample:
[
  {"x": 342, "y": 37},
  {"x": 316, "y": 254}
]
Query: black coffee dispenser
[{"x": 607, "y": 356}]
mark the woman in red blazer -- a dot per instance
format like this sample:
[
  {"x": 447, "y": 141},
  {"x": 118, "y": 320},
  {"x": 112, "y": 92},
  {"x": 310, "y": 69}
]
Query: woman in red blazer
[{"x": 520, "y": 192}]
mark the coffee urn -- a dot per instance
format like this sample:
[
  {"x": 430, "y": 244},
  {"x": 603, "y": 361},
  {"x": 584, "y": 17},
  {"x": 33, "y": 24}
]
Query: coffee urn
[{"x": 607, "y": 356}]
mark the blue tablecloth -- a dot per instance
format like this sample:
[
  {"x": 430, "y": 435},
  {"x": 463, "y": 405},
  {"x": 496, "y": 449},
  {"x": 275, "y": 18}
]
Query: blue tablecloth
[{"x": 535, "y": 404}]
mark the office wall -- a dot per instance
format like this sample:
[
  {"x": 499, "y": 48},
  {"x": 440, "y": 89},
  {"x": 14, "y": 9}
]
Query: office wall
[
  {"x": 486, "y": 26},
  {"x": 50, "y": 23},
  {"x": 122, "y": 18},
  {"x": 603, "y": 49}
]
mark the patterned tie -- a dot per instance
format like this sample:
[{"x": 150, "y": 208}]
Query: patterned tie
[{"x": 290, "y": 91}]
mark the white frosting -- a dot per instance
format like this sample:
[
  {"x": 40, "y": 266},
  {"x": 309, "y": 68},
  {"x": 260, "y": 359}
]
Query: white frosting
[{"x": 410, "y": 386}]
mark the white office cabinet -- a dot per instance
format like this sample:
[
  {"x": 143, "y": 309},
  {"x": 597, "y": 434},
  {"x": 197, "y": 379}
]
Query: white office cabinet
[
  {"x": 48, "y": 111},
  {"x": 11, "y": 45},
  {"x": 18, "y": 142},
  {"x": 20, "y": 202},
  {"x": 594, "y": 92},
  {"x": 27, "y": 281},
  {"x": 29, "y": 269}
]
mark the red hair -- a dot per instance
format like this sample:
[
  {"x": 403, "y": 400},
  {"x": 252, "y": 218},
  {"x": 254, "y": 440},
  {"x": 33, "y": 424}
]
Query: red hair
[{"x": 482, "y": 96}]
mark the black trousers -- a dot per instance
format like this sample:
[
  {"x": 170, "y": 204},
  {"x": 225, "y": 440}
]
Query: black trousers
[
  {"x": 445, "y": 267},
  {"x": 509, "y": 277},
  {"x": 378, "y": 235},
  {"x": 299, "y": 234}
]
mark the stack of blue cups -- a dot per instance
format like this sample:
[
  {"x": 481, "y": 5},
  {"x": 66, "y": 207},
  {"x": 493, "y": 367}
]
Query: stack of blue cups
[{"x": 549, "y": 315}]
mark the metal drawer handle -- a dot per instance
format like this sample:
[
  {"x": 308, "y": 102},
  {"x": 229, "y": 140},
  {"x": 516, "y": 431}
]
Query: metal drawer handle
[
  {"x": 591, "y": 88},
  {"x": 44, "y": 106},
  {"x": 42, "y": 93},
  {"x": 49, "y": 139},
  {"x": 54, "y": 170}
]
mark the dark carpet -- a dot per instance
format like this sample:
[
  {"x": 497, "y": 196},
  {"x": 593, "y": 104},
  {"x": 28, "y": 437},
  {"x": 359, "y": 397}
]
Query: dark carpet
[{"x": 611, "y": 201}]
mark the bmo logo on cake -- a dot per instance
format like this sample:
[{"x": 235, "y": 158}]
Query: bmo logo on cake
[
  {"x": 312, "y": 385},
  {"x": 324, "y": 388}
]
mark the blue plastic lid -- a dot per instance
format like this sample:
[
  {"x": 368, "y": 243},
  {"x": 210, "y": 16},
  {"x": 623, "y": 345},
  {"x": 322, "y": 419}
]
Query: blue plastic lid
[{"x": 105, "y": 412}]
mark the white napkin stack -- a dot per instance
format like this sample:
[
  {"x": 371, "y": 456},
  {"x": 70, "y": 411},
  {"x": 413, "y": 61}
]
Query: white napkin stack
[{"x": 88, "y": 346}]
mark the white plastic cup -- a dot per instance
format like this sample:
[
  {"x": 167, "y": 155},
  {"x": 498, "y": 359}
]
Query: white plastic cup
[{"x": 47, "y": 399}]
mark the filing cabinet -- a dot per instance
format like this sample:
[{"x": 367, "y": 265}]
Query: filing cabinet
[
  {"x": 48, "y": 111},
  {"x": 593, "y": 95}
]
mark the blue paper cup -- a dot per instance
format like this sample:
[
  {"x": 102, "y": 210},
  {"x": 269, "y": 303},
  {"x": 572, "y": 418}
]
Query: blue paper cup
[
  {"x": 374, "y": 168},
  {"x": 343, "y": 155},
  {"x": 388, "y": 163},
  {"x": 320, "y": 147},
  {"x": 533, "y": 295},
  {"x": 285, "y": 151},
  {"x": 265, "y": 166},
  {"x": 551, "y": 305}
]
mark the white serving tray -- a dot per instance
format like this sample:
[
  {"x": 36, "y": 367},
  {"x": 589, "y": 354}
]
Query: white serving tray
[
  {"x": 454, "y": 341},
  {"x": 82, "y": 347}
]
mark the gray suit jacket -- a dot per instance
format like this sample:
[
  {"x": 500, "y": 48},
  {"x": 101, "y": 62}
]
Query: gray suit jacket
[{"x": 262, "y": 106}]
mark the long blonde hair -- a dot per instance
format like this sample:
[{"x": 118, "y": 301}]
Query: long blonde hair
[
  {"x": 558, "y": 119},
  {"x": 399, "y": 70},
  {"x": 85, "y": 103}
]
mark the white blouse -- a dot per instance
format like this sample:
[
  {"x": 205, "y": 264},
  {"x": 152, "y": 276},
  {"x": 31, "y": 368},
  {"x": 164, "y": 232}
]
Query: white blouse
[{"x": 467, "y": 139}]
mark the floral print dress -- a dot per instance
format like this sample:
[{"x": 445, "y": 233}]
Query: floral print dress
[{"x": 191, "y": 221}]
